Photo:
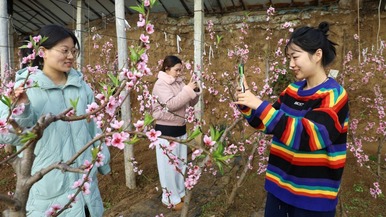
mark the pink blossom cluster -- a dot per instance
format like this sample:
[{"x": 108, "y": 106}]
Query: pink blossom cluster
[
  {"x": 376, "y": 191},
  {"x": 83, "y": 184},
  {"x": 192, "y": 176},
  {"x": 136, "y": 169},
  {"x": 210, "y": 29},
  {"x": 53, "y": 210},
  {"x": 190, "y": 114},
  {"x": 153, "y": 135},
  {"x": 3, "y": 127}
]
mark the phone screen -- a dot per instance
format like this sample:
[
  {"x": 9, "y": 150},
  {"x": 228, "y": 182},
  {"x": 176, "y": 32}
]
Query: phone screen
[{"x": 241, "y": 74}]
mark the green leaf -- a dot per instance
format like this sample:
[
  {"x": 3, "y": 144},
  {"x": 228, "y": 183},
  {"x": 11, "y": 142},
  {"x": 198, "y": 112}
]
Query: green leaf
[
  {"x": 195, "y": 133},
  {"x": 219, "y": 152},
  {"x": 219, "y": 38},
  {"x": 114, "y": 79},
  {"x": 226, "y": 157},
  {"x": 148, "y": 119},
  {"x": 152, "y": 3},
  {"x": 94, "y": 152},
  {"x": 43, "y": 40},
  {"x": 27, "y": 137},
  {"x": 6, "y": 100},
  {"x": 74, "y": 103},
  {"x": 201, "y": 156},
  {"x": 220, "y": 168},
  {"x": 134, "y": 57},
  {"x": 139, "y": 8},
  {"x": 133, "y": 140}
]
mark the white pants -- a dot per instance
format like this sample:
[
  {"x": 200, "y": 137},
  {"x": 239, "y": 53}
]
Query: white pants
[{"x": 171, "y": 180}]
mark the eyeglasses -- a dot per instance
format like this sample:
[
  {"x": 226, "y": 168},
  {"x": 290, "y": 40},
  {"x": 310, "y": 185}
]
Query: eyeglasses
[{"x": 74, "y": 52}]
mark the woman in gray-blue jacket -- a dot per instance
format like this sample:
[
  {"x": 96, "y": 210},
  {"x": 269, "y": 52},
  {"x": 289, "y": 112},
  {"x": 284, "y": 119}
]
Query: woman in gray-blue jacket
[{"x": 58, "y": 83}]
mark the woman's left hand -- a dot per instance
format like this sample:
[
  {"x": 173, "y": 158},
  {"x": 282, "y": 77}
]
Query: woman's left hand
[{"x": 248, "y": 99}]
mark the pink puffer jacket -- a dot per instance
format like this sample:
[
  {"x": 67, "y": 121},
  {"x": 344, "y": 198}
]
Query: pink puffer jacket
[{"x": 175, "y": 97}]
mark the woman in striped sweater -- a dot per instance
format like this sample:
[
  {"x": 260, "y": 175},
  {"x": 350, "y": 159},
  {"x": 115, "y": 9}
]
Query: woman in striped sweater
[{"x": 309, "y": 127}]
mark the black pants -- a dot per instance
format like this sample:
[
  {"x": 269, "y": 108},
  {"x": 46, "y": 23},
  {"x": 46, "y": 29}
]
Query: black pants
[
  {"x": 87, "y": 212},
  {"x": 277, "y": 208}
]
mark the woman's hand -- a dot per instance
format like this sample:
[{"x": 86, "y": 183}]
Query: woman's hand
[
  {"x": 247, "y": 98},
  {"x": 20, "y": 94},
  {"x": 193, "y": 84}
]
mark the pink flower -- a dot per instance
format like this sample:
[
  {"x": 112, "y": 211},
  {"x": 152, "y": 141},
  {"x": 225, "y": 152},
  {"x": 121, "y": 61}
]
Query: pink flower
[
  {"x": 117, "y": 141},
  {"x": 3, "y": 127},
  {"x": 29, "y": 45},
  {"x": 37, "y": 38},
  {"x": 73, "y": 198},
  {"x": 77, "y": 184},
  {"x": 150, "y": 28},
  {"x": 29, "y": 83},
  {"x": 18, "y": 110},
  {"x": 141, "y": 22},
  {"x": 111, "y": 106},
  {"x": 208, "y": 141},
  {"x": 41, "y": 53},
  {"x": 86, "y": 188},
  {"x": 101, "y": 97},
  {"x": 196, "y": 153},
  {"x": 146, "y": 3},
  {"x": 139, "y": 125},
  {"x": 92, "y": 107},
  {"x": 141, "y": 66},
  {"x": 99, "y": 159},
  {"x": 117, "y": 124},
  {"x": 32, "y": 69},
  {"x": 152, "y": 145},
  {"x": 153, "y": 135},
  {"x": 70, "y": 113},
  {"x": 145, "y": 57},
  {"x": 144, "y": 38},
  {"x": 88, "y": 165},
  {"x": 53, "y": 209}
]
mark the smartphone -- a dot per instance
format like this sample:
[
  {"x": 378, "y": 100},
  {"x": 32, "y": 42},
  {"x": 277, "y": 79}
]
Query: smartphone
[{"x": 241, "y": 75}]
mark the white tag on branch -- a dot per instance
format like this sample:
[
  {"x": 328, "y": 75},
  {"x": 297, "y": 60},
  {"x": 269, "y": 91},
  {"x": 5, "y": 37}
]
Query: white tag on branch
[
  {"x": 179, "y": 49},
  {"x": 127, "y": 25}
]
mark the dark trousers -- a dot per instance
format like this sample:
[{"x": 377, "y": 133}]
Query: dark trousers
[
  {"x": 87, "y": 212},
  {"x": 277, "y": 208}
]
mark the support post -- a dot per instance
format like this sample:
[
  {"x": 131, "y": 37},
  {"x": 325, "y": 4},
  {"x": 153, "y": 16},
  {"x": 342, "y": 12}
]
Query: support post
[
  {"x": 4, "y": 54},
  {"x": 126, "y": 106},
  {"x": 198, "y": 50},
  {"x": 79, "y": 32}
]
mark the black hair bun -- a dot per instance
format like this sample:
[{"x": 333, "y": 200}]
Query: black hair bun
[{"x": 324, "y": 27}]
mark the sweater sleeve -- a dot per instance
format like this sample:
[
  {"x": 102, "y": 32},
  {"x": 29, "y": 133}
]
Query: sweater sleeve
[
  {"x": 253, "y": 118},
  {"x": 318, "y": 129}
]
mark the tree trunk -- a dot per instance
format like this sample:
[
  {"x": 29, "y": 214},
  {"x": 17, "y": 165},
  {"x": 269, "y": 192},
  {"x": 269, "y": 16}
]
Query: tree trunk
[{"x": 9, "y": 213}]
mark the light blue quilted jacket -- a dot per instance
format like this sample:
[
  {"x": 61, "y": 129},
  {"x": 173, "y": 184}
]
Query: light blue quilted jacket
[{"x": 60, "y": 141}]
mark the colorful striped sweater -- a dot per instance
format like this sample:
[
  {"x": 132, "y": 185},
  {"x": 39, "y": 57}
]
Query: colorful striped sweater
[{"x": 308, "y": 150}]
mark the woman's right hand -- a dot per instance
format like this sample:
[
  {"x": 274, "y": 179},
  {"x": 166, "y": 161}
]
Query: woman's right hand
[
  {"x": 193, "y": 84},
  {"x": 20, "y": 94}
]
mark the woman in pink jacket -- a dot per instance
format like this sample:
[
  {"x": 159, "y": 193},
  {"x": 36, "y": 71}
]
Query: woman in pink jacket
[{"x": 173, "y": 98}]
